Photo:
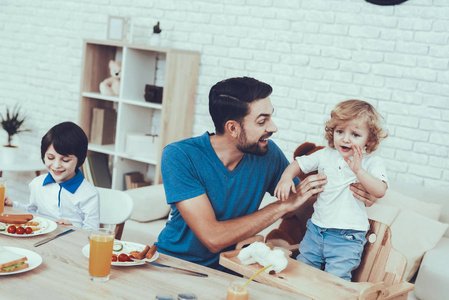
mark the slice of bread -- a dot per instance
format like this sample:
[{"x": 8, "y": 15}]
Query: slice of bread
[
  {"x": 11, "y": 261},
  {"x": 15, "y": 269}
]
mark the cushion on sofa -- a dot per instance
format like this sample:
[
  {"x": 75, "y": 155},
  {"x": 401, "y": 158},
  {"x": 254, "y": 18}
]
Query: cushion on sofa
[
  {"x": 433, "y": 276},
  {"x": 414, "y": 234},
  {"x": 382, "y": 213},
  {"x": 402, "y": 201},
  {"x": 149, "y": 203},
  {"x": 143, "y": 233},
  {"x": 430, "y": 194}
]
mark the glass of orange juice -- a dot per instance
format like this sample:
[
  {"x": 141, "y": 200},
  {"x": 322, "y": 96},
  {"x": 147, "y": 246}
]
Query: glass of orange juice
[
  {"x": 2, "y": 194},
  {"x": 237, "y": 291},
  {"x": 101, "y": 242}
]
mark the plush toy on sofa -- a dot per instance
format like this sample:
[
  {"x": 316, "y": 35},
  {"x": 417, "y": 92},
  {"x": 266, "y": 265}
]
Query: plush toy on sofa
[
  {"x": 293, "y": 226},
  {"x": 111, "y": 86}
]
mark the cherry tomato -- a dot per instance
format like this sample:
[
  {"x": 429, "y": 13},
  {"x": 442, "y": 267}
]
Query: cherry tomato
[
  {"x": 20, "y": 230},
  {"x": 114, "y": 257},
  {"x": 28, "y": 230},
  {"x": 123, "y": 257},
  {"x": 12, "y": 229}
]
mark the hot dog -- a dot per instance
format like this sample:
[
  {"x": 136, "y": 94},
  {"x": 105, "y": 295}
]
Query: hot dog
[
  {"x": 141, "y": 255},
  {"x": 151, "y": 252},
  {"x": 15, "y": 219}
]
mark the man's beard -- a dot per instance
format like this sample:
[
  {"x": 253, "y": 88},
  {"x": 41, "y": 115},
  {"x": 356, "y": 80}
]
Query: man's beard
[{"x": 252, "y": 148}]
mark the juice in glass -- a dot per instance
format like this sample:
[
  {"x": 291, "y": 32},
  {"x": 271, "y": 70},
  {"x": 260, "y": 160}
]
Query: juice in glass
[
  {"x": 237, "y": 291},
  {"x": 101, "y": 243},
  {"x": 2, "y": 194}
]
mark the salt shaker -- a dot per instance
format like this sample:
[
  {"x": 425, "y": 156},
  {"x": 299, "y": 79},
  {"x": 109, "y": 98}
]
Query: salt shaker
[{"x": 186, "y": 296}]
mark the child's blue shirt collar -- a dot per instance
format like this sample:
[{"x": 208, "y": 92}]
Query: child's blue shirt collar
[{"x": 70, "y": 185}]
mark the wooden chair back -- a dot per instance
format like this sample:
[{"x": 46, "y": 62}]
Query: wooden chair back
[{"x": 380, "y": 261}]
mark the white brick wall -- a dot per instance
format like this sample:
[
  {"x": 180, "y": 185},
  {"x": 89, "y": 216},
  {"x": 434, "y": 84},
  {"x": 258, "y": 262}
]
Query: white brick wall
[{"x": 314, "y": 54}]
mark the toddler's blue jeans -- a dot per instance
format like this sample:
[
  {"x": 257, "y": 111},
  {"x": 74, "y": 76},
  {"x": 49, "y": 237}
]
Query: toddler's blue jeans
[{"x": 336, "y": 251}]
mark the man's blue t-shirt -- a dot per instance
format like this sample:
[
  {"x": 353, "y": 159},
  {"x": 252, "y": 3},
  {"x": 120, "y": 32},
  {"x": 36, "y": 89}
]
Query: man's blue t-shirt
[{"x": 191, "y": 168}]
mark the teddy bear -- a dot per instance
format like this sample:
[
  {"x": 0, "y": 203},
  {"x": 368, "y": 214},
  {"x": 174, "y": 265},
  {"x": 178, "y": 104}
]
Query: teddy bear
[
  {"x": 111, "y": 86},
  {"x": 293, "y": 225}
]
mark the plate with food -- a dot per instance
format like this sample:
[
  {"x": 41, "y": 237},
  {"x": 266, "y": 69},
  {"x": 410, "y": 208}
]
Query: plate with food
[
  {"x": 27, "y": 226},
  {"x": 15, "y": 260},
  {"x": 123, "y": 253}
]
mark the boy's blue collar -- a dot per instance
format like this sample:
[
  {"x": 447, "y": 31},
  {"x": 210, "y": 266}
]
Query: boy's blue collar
[{"x": 70, "y": 185}]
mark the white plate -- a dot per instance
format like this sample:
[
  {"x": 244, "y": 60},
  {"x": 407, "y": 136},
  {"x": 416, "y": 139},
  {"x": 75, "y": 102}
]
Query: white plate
[
  {"x": 127, "y": 248},
  {"x": 46, "y": 225},
  {"x": 34, "y": 259}
]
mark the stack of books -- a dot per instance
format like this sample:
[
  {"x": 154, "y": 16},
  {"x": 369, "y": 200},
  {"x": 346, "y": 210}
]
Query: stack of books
[{"x": 134, "y": 180}]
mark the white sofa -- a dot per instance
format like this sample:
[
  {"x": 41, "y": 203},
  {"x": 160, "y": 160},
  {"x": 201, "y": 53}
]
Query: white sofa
[
  {"x": 149, "y": 216},
  {"x": 418, "y": 217}
]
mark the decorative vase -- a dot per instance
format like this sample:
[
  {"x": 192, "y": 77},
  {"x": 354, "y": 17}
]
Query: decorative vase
[
  {"x": 155, "y": 39},
  {"x": 9, "y": 154}
]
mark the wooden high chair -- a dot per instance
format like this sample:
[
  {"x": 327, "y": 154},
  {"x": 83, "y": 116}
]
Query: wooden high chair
[{"x": 379, "y": 275}]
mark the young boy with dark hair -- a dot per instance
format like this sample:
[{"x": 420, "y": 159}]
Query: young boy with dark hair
[{"x": 63, "y": 194}]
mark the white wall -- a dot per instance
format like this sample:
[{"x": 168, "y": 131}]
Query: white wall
[{"x": 314, "y": 54}]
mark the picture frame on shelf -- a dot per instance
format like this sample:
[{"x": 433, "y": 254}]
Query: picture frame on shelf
[{"x": 116, "y": 28}]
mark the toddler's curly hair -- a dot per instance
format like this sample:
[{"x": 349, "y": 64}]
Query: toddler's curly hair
[{"x": 362, "y": 111}]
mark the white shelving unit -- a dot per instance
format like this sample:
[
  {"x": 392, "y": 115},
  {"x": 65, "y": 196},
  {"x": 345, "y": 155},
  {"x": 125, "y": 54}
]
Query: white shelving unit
[{"x": 174, "y": 70}]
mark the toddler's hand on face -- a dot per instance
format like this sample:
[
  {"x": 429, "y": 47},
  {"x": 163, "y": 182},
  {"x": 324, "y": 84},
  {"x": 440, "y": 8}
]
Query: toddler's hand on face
[
  {"x": 283, "y": 189},
  {"x": 8, "y": 202},
  {"x": 63, "y": 222},
  {"x": 356, "y": 163}
]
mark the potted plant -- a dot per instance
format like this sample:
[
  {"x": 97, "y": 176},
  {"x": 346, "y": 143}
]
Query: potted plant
[{"x": 12, "y": 124}]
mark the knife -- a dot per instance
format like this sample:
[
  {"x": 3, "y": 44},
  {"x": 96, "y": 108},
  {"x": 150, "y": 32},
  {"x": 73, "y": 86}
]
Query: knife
[
  {"x": 52, "y": 238},
  {"x": 176, "y": 268}
]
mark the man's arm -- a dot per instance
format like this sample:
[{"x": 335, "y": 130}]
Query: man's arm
[{"x": 217, "y": 235}]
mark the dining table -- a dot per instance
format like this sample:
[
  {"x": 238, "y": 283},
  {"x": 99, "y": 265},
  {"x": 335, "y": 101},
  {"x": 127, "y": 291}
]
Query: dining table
[{"x": 63, "y": 273}]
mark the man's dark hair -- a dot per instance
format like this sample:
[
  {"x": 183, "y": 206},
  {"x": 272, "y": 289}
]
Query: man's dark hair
[
  {"x": 229, "y": 99},
  {"x": 67, "y": 139}
]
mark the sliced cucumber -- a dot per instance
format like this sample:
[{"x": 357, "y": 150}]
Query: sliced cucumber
[
  {"x": 117, "y": 246},
  {"x": 2, "y": 227}
]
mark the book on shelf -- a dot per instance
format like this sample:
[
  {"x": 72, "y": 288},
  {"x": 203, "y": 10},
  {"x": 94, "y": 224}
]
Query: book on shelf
[
  {"x": 134, "y": 180},
  {"x": 102, "y": 129},
  {"x": 99, "y": 168},
  {"x": 139, "y": 184},
  {"x": 85, "y": 169}
]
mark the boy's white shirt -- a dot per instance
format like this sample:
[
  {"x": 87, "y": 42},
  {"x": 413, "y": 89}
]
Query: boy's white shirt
[
  {"x": 336, "y": 207},
  {"x": 81, "y": 208}
]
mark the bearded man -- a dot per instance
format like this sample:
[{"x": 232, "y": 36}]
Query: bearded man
[{"x": 215, "y": 183}]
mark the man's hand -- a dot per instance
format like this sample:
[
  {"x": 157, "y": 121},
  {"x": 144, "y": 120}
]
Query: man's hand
[
  {"x": 361, "y": 194},
  {"x": 310, "y": 186}
]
